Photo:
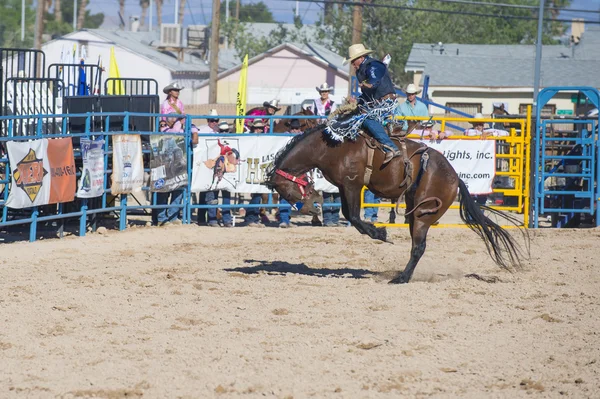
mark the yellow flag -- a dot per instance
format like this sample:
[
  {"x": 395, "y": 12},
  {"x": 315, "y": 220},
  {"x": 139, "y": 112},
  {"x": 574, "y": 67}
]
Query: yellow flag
[
  {"x": 115, "y": 88},
  {"x": 241, "y": 96}
]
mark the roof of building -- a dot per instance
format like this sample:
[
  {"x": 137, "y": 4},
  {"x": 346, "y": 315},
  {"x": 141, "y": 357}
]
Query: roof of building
[
  {"x": 508, "y": 65},
  {"x": 315, "y": 52}
]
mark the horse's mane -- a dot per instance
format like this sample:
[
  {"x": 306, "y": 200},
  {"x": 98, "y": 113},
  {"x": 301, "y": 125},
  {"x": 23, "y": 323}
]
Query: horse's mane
[{"x": 281, "y": 154}]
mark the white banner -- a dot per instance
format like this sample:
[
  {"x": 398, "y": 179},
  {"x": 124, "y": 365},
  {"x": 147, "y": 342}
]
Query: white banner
[
  {"x": 237, "y": 163},
  {"x": 473, "y": 160},
  {"x": 91, "y": 183},
  {"x": 128, "y": 167},
  {"x": 30, "y": 173}
]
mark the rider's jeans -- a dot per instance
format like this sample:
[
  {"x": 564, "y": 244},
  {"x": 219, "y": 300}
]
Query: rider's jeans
[{"x": 376, "y": 130}]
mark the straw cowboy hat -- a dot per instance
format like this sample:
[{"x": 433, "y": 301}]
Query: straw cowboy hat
[
  {"x": 258, "y": 123},
  {"x": 412, "y": 89},
  {"x": 478, "y": 115},
  {"x": 324, "y": 87},
  {"x": 273, "y": 104},
  {"x": 355, "y": 51},
  {"x": 224, "y": 125},
  {"x": 172, "y": 86},
  {"x": 215, "y": 115}
]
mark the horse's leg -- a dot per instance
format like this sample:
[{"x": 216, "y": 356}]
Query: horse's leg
[
  {"x": 351, "y": 200},
  {"x": 419, "y": 231}
]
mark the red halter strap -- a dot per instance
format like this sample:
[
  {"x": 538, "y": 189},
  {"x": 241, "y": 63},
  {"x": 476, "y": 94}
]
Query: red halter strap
[{"x": 298, "y": 180}]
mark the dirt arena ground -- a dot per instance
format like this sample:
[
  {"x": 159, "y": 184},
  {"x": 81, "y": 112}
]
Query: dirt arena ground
[{"x": 198, "y": 312}]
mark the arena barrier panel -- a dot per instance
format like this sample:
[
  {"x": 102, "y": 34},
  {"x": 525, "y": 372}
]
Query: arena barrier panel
[{"x": 513, "y": 155}]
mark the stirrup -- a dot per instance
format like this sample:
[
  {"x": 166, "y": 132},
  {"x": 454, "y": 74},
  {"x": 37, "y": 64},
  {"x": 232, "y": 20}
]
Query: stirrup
[{"x": 389, "y": 155}]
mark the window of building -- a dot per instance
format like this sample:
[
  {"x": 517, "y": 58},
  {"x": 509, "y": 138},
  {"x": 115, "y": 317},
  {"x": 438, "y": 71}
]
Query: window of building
[
  {"x": 547, "y": 110},
  {"x": 468, "y": 108}
]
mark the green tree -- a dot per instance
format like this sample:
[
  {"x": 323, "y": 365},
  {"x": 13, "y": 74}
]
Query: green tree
[
  {"x": 388, "y": 30},
  {"x": 10, "y": 24},
  {"x": 251, "y": 12},
  {"x": 58, "y": 27}
]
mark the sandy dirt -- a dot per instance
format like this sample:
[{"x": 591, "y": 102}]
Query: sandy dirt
[{"x": 197, "y": 312}]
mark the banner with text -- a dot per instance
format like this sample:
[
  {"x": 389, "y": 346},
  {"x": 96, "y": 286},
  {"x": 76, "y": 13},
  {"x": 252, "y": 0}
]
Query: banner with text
[
  {"x": 128, "y": 167},
  {"x": 473, "y": 160},
  {"x": 42, "y": 172},
  {"x": 91, "y": 183},
  {"x": 238, "y": 163}
]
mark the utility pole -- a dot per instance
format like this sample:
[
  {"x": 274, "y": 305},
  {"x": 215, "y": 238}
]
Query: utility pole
[
  {"x": 74, "y": 15},
  {"x": 214, "y": 52},
  {"x": 357, "y": 23},
  {"x": 538, "y": 57},
  {"x": 237, "y": 10},
  {"x": 39, "y": 25}
]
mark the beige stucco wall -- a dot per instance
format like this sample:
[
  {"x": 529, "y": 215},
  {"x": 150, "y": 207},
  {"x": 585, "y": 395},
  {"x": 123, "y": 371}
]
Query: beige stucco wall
[{"x": 284, "y": 76}]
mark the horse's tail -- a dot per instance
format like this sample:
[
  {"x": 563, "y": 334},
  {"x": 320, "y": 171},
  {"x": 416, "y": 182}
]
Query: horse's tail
[{"x": 499, "y": 243}]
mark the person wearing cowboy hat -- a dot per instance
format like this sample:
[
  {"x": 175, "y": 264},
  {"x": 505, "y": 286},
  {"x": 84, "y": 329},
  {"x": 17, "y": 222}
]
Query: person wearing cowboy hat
[
  {"x": 411, "y": 107},
  {"x": 478, "y": 129},
  {"x": 257, "y": 126},
  {"x": 294, "y": 126},
  {"x": 172, "y": 104},
  {"x": 268, "y": 108},
  {"x": 212, "y": 123},
  {"x": 224, "y": 127},
  {"x": 323, "y": 105},
  {"x": 376, "y": 86}
]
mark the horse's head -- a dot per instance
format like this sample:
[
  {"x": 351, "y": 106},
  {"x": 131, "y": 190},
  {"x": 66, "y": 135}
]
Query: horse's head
[{"x": 296, "y": 189}]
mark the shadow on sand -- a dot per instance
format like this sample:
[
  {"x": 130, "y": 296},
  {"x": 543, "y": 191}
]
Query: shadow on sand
[{"x": 278, "y": 267}]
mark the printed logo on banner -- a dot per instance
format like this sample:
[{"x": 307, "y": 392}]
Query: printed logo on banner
[{"x": 29, "y": 174}]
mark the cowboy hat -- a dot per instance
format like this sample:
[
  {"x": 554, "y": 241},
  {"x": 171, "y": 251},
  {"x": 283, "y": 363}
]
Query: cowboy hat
[
  {"x": 412, "y": 89},
  {"x": 324, "y": 87},
  {"x": 172, "y": 86},
  {"x": 258, "y": 123},
  {"x": 224, "y": 125},
  {"x": 355, "y": 51},
  {"x": 295, "y": 124},
  {"x": 478, "y": 115},
  {"x": 273, "y": 104}
]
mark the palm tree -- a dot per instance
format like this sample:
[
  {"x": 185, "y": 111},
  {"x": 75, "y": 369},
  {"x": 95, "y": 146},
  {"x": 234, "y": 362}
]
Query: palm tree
[
  {"x": 159, "y": 4},
  {"x": 181, "y": 11},
  {"x": 144, "y": 4},
  {"x": 81, "y": 13}
]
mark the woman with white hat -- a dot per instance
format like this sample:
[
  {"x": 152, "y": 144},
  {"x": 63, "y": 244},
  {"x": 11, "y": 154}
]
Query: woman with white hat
[
  {"x": 323, "y": 105},
  {"x": 172, "y": 104},
  {"x": 377, "y": 87}
]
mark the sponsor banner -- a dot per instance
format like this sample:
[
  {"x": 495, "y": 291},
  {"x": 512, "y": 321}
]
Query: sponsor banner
[
  {"x": 30, "y": 174},
  {"x": 128, "y": 167},
  {"x": 168, "y": 163},
  {"x": 91, "y": 183},
  {"x": 42, "y": 172},
  {"x": 473, "y": 160},
  {"x": 238, "y": 164},
  {"x": 62, "y": 170}
]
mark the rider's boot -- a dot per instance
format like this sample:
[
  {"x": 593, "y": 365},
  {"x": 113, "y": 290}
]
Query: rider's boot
[{"x": 390, "y": 153}]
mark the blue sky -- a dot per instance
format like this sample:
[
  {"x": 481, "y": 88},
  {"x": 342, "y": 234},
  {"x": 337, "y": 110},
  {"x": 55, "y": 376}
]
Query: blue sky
[{"x": 199, "y": 11}]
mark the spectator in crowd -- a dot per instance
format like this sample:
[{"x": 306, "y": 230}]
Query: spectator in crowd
[
  {"x": 331, "y": 215},
  {"x": 478, "y": 129},
  {"x": 412, "y": 107},
  {"x": 171, "y": 105},
  {"x": 212, "y": 123},
  {"x": 499, "y": 112},
  {"x": 257, "y": 126},
  {"x": 323, "y": 105},
  {"x": 371, "y": 212},
  {"x": 224, "y": 127},
  {"x": 295, "y": 126},
  {"x": 268, "y": 108}
]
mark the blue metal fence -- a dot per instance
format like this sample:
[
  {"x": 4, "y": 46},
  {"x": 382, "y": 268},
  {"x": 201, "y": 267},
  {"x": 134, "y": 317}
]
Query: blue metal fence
[
  {"x": 566, "y": 165},
  {"x": 87, "y": 210}
]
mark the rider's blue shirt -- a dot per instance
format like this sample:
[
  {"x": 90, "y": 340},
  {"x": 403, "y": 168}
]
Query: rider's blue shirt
[{"x": 374, "y": 73}]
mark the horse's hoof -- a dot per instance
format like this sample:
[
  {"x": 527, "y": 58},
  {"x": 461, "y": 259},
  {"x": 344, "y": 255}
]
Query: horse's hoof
[{"x": 398, "y": 280}]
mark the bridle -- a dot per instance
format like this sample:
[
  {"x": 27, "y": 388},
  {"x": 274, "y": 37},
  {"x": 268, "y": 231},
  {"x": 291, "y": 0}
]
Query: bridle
[{"x": 304, "y": 182}]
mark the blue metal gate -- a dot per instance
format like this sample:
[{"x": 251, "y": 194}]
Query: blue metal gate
[{"x": 566, "y": 164}]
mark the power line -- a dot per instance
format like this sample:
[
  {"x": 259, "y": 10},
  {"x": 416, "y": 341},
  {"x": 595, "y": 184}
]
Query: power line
[
  {"x": 520, "y": 6},
  {"x": 464, "y": 13}
]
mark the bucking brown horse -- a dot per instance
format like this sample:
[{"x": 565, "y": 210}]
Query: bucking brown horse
[{"x": 430, "y": 187}]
